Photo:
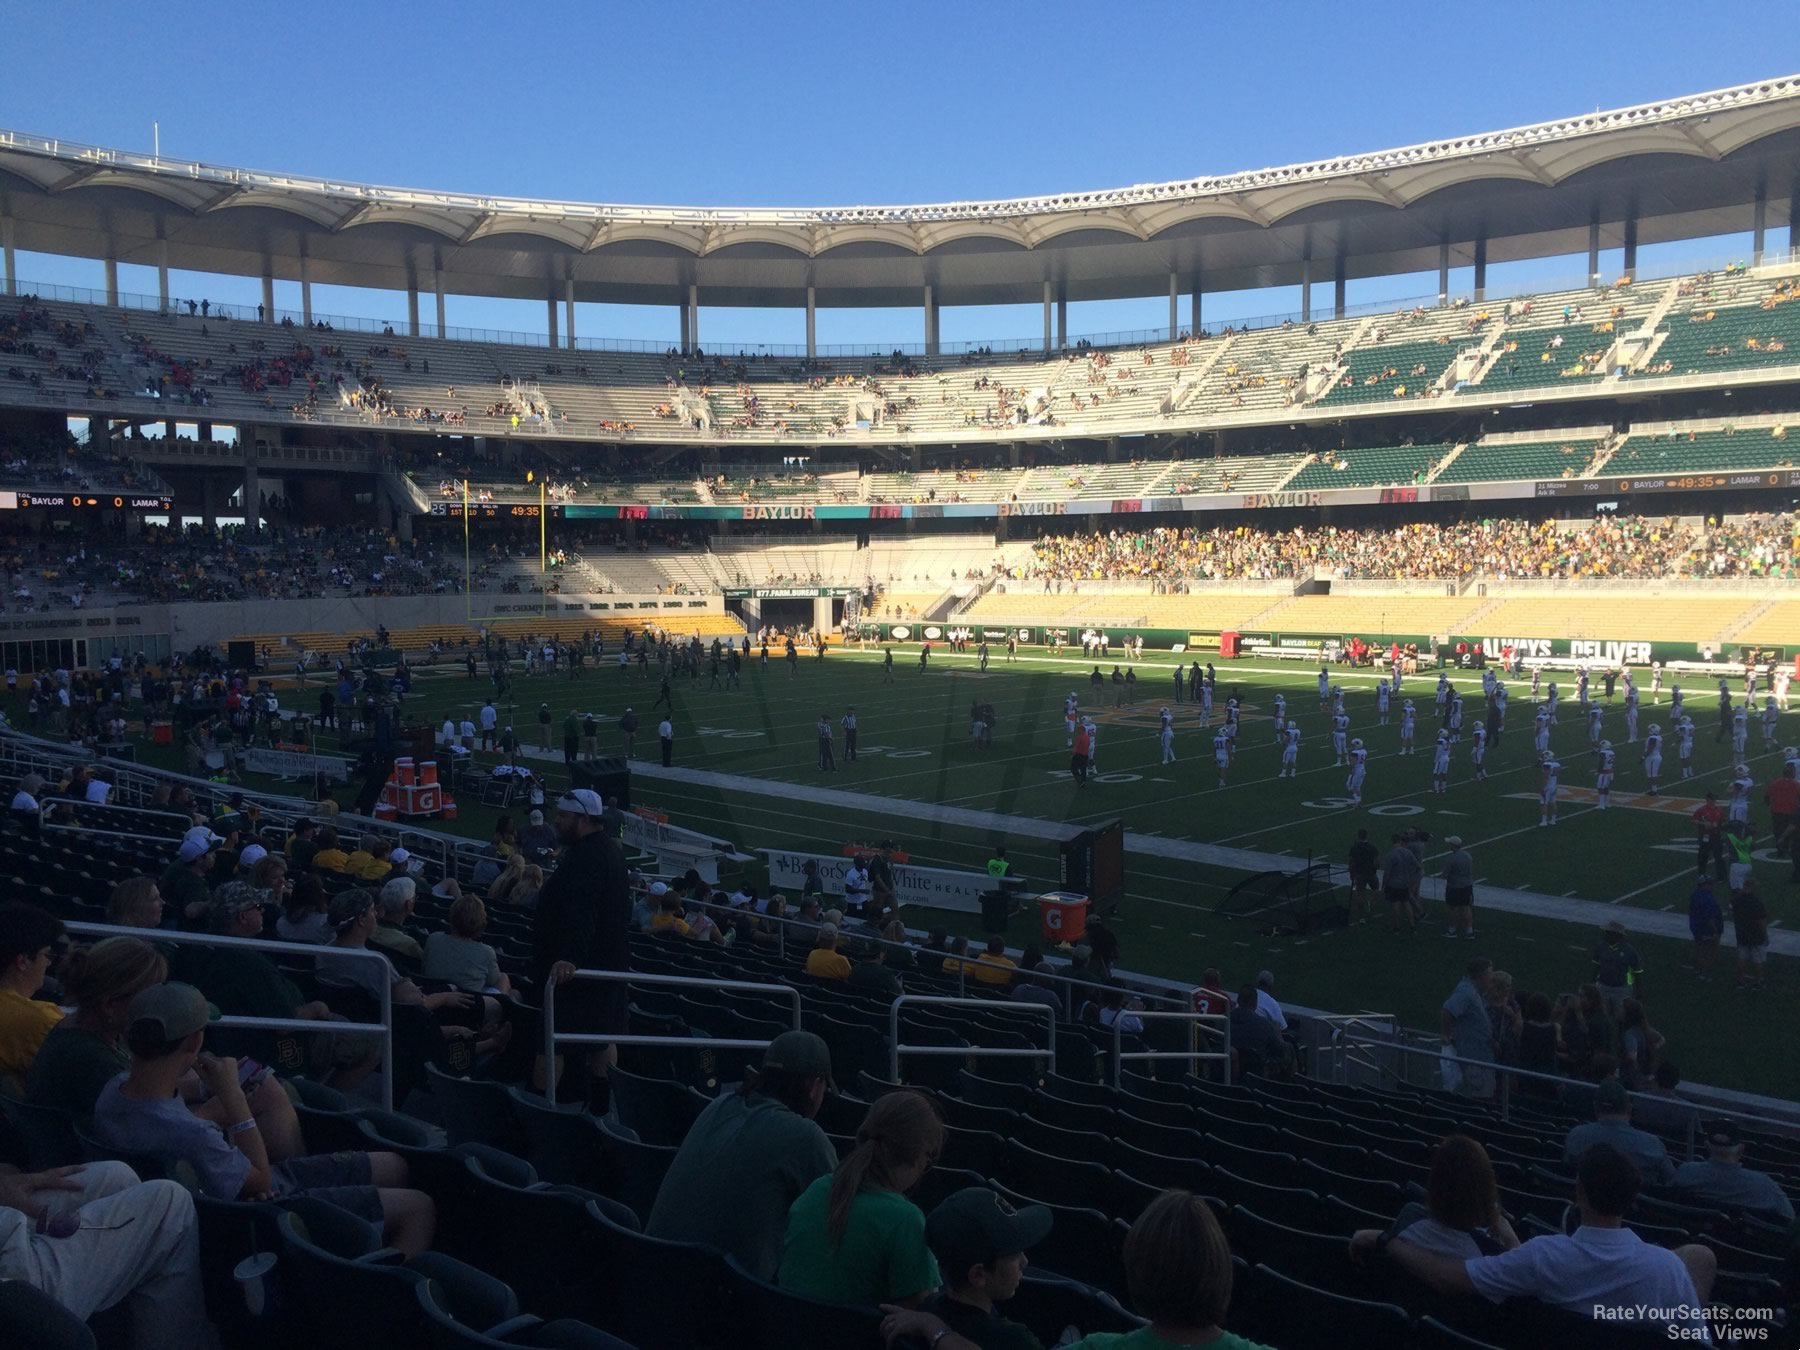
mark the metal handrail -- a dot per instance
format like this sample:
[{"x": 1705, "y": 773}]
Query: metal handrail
[
  {"x": 1197, "y": 1022},
  {"x": 1504, "y": 1072},
  {"x": 896, "y": 1049},
  {"x": 552, "y": 1036},
  {"x": 385, "y": 1027}
]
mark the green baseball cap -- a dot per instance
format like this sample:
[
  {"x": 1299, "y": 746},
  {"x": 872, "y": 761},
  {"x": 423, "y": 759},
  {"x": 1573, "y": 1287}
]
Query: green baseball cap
[
  {"x": 976, "y": 1227},
  {"x": 177, "y": 1010},
  {"x": 798, "y": 1052}
]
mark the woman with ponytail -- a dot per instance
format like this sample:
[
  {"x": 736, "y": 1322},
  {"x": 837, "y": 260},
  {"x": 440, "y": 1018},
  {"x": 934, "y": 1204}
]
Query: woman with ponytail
[
  {"x": 87, "y": 1050},
  {"x": 853, "y": 1236}
]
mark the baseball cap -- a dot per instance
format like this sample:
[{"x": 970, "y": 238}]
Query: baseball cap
[
  {"x": 252, "y": 854},
  {"x": 798, "y": 1052},
  {"x": 1611, "y": 1098},
  {"x": 975, "y": 1226},
  {"x": 1724, "y": 1134},
  {"x": 659, "y": 888},
  {"x": 196, "y": 842},
  {"x": 536, "y": 818},
  {"x": 581, "y": 802},
  {"x": 175, "y": 1010},
  {"x": 349, "y": 906},
  {"x": 1616, "y": 927},
  {"x": 399, "y": 857},
  {"x": 1454, "y": 840}
]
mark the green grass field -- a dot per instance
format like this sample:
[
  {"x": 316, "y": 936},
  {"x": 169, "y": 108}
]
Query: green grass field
[{"x": 1636, "y": 857}]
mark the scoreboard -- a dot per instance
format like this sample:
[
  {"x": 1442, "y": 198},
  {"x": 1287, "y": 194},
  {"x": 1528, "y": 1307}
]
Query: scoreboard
[
  {"x": 146, "y": 503},
  {"x": 496, "y": 510}
]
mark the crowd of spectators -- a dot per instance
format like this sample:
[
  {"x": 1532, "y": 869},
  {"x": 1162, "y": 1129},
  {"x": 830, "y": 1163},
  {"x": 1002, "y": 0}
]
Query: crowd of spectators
[{"x": 1616, "y": 547}]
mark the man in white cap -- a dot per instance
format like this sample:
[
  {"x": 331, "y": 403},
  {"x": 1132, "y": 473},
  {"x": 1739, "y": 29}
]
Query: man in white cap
[
  {"x": 184, "y": 882},
  {"x": 583, "y": 922}
]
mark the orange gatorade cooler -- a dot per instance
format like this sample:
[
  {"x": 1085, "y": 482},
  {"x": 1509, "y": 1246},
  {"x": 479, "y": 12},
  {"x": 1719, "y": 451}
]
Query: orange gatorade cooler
[
  {"x": 428, "y": 772},
  {"x": 1064, "y": 915},
  {"x": 449, "y": 807},
  {"x": 403, "y": 771},
  {"x": 162, "y": 733}
]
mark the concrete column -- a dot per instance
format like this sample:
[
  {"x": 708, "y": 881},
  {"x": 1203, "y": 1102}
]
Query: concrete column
[
  {"x": 1194, "y": 310},
  {"x": 1631, "y": 227},
  {"x": 112, "y": 281},
  {"x": 686, "y": 328},
  {"x": 550, "y": 311},
  {"x": 412, "y": 310},
  {"x": 209, "y": 502},
  {"x": 1306, "y": 285},
  {"x": 9, "y": 262},
  {"x": 252, "y": 491},
  {"x": 812, "y": 323},
  {"x": 694, "y": 315},
  {"x": 569, "y": 312},
  {"x": 930, "y": 307},
  {"x": 1339, "y": 285},
  {"x": 437, "y": 292},
  {"x": 1443, "y": 271},
  {"x": 1062, "y": 320},
  {"x": 162, "y": 275},
  {"x": 268, "y": 298},
  {"x": 1759, "y": 224},
  {"x": 1793, "y": 223},
  {"x": 305, "y": 290},
  {"x": 1481, "y": 267},
  {"x": 1174, "y": 306},
  {"x": 1594, "y": 251},
  {"x": 1047, "y": 300}
]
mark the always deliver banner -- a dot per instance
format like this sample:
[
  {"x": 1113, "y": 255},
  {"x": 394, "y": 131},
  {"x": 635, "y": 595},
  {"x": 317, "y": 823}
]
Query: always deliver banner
[{"x": 930, "y": 887}]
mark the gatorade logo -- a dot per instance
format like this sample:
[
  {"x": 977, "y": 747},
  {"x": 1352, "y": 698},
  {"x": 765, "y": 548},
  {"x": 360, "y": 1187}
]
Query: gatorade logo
[{"x": 1053, "y": 918}]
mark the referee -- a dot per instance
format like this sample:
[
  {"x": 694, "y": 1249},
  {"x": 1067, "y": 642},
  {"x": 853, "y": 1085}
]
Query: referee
[{"x": 827, "y": 760}]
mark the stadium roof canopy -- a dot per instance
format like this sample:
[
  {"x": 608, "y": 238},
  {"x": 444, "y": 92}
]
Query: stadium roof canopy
[{"x": 1690, "y": 167}]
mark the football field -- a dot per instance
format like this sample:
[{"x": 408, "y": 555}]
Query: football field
[{"x": 748, "y": 763}]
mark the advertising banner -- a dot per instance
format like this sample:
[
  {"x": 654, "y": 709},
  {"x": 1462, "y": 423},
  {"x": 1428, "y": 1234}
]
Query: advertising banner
[{"x": 928, "y": 887}]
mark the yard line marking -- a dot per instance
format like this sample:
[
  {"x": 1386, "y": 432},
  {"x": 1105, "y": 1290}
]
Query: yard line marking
[
  {"x": 1566, "y": 894},
  {"x": 1576, "y": 947}
]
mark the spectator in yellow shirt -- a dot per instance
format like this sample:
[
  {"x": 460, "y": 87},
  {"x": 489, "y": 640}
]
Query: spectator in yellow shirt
[
  {"x": 370, "y": 862},
  {"x": 668, "y": 920},
  {"x": 29, "y": 941},
  {"x": 824, "y": 961},
  {"x": 330, "y": 857},
  {"x": 994, "y": 967}
]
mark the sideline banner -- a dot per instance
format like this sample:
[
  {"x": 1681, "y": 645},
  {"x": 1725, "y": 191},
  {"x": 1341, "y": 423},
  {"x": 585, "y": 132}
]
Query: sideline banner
[
  {"x": 929, "y": 887},
  {"x": 295, "y": 764}
]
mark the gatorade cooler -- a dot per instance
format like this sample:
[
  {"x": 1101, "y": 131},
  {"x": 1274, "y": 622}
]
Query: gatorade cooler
[
  {"x": 385, "y": 811},
  {"x": 403, "y": 771},
  {"x": 449, "y": 807},
  {"x": 428, "y": 772},
  {"x": 1064, "y": 915},
  {"x": 1228, "y": 646},
  {"x": 162, "y": 733}
]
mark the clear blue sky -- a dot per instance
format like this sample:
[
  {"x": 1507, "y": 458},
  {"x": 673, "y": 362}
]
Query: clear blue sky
[{"x": 780, "y": 103}]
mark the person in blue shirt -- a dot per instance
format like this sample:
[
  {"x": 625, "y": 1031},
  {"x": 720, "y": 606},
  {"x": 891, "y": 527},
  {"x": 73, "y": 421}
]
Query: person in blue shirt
[
  {"x": 1612, "y": 1125},
  {"x": 1724, "y": 1181},
  {"x": 1706, "y": 924}
]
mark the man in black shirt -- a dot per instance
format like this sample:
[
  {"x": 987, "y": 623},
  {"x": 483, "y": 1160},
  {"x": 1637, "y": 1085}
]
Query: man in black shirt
[
  {"x": 980, "y": 1243},
  {"x": 583, "y": 923},
  {"x": 1365, "y": 864}
]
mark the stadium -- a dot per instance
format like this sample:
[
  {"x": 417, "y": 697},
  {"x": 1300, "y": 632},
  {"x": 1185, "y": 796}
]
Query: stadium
[{"x": 550, "y": 754}]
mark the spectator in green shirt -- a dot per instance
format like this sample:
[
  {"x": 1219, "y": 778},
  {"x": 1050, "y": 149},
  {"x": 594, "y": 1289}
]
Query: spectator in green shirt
[{"x": 853, "y": 1237}]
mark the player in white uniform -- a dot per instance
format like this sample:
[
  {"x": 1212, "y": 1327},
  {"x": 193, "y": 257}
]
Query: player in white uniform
[
  {"x": 1771, "y": 715},
  {"x": 1656, "y": 682},
  {"x": 1593, "y": 721},
  {"x": 1093, "y": 733},
  {"x": 1537, "y": 676},
  {"x": 1408, "y": 720},
  {"x": 1790, "y": 759},
  {"x": 1359, "y": 767},
  {"x": 1206, "y": 698},
  {"x": 1547, "y": 792},
  {"x": 1738, "y": 808},
  {"x": 1740, "y": 730},
  {"x": 1222, "y": 754},
  {"x": 1069, "y": 707},
  {"x": 1337, "y": 698},
  {"x": 1684, "y": 745},
  {"x": 1280, "y": 717},
  {"x": 1540, "y": 730},
  {"x": 1324, "y": 688},
  {"x": 1653, "y": 758},
  {"x": 1581, "y": 687},
  {"x": 1488, "y": 680},
  {"x": 1384, "y": 695},
  {"x": 1478, "y": 754},
  {"x": 1340, "y": 738},
  {"x": 1290, "y": 752},
  {"x": 1676, "y": 698},
  {"x": 1396, "y": 672},
  {"x": 1782, "y": 679},
  {"x": 1631, "y": 708},
  {"x": 1167, "y": 737},
  {"x": 1440, "y": 697},
  {"x": 1603, "y": 777},
  {"x": 1551, "y": 699},
  {"x": 1440, "y": 763},
  {"x": 1750, "y": 685},
  {"x": 1456, "y": 711}
]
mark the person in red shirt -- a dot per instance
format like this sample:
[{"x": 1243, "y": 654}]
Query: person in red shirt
[
  {"x": 1211, "y": 997},
  {"x": 1709, "y": 822},
  {"x": 1078, "y": 759},
  {"x": 1783, "y": 797}
]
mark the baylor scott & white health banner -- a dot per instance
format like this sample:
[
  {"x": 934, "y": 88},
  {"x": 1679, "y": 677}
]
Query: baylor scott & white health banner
[{"x": 929, "y": 887}]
